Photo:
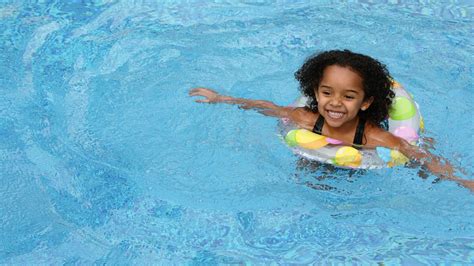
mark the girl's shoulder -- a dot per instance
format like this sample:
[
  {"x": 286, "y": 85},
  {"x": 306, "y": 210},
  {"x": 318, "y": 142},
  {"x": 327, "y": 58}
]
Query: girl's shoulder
[
  {"x": 303, "y": 117},
  {"x": 379, "y": 137}
]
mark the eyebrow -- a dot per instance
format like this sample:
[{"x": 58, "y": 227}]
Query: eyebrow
[
  {"x": 325, "y": 86},
  {"x": 354, "y": 91},
  {"x": 329, "y": 87}
]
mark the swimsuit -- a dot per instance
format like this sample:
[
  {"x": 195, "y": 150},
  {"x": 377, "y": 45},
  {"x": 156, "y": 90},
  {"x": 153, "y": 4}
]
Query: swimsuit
[{"x": 359, "y": 134}]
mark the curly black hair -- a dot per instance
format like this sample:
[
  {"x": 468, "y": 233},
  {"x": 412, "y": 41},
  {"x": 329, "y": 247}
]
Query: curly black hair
[{"x": 377, "y": 81}]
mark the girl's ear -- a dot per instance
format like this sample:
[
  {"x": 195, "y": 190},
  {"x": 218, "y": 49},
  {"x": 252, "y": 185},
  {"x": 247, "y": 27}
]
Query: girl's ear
[{"x": 366, "y": 103}]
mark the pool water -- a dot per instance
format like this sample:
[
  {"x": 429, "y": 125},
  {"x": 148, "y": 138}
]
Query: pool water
[{"x": 104, "y": 159}]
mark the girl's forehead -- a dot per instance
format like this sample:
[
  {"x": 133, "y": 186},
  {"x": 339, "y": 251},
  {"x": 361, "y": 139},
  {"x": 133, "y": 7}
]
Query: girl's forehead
[
  {"x": 340, "y": 76},
  {"x": 341, "y": 70}
]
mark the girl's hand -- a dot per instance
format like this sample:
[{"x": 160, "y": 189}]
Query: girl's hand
[
  {"x": 446, "y": 171},
  {"x": 209, "y": 95},
  {"x": 467, "y": 184}
]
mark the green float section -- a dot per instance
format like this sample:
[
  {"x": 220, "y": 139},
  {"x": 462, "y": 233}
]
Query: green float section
[
  {"x": 290, "y": 138},
  {"x": 402, "y": 109}
]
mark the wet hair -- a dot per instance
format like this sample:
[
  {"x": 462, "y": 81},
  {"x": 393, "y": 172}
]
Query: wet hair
[{"x": 376, "y": 80}]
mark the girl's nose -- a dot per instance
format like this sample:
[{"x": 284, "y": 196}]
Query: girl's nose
[{"x": 336, "y": 101}]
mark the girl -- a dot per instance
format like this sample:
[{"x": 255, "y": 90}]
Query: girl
[{"x": 349, "y": 98}]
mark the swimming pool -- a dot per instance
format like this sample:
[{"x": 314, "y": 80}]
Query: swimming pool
[{"x": 105, "y": 159}]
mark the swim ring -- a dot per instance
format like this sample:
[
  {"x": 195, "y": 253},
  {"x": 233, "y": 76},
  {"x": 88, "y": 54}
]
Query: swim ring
[{"x": 404, "y": 121}]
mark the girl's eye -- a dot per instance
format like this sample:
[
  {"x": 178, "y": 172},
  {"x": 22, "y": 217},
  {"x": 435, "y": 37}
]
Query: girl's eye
[
  {"x": 325, "y": 93},
  {"x": 349, "y": 97}
]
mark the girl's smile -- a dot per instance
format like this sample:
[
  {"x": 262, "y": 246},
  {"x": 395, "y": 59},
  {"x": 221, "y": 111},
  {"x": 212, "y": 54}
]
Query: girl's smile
[{"x": 340, "y": 96}]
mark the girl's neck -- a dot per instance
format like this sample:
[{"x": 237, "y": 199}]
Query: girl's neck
[{"x": 345, "y": 132}]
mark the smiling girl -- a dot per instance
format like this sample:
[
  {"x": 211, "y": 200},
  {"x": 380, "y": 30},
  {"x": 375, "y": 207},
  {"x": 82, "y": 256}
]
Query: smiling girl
[{"x": 349, "y": 98}]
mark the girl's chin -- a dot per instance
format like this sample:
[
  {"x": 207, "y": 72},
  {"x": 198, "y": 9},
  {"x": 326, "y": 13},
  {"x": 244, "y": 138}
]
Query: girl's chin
[{"x": 334, "y": 122}]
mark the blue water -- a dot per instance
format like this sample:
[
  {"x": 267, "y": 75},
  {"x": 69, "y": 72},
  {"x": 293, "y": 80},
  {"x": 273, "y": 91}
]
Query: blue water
[{"x": 104, "y": 159}]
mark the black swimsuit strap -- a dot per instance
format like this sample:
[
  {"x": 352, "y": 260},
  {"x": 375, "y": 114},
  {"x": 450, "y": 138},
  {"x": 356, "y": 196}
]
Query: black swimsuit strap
[
  {"x": 359, "y": 135},
  {"x": 318, "y": 126}
]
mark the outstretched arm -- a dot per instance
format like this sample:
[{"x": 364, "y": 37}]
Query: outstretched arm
[
  {"x": 299, "y": 116},
  {"x": 439, "y": 166},
  {"x": 435, "y": 164},
  {"x": 265, "y": 107}
]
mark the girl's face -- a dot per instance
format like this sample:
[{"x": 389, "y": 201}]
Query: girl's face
[{"x": 340, "y": 95}]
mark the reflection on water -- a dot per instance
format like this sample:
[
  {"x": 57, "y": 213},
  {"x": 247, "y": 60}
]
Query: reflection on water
[{"x": 318, "y": 173}]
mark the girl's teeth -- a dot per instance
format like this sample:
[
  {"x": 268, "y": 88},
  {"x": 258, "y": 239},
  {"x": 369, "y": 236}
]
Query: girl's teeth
[{"x": 335, "y": 115}]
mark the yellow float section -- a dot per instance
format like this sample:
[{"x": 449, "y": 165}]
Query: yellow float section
[
  {"x": 348, "y": 156},
  {"x": 397, "y": 158},
  {"x": 310, "y": 140}
]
